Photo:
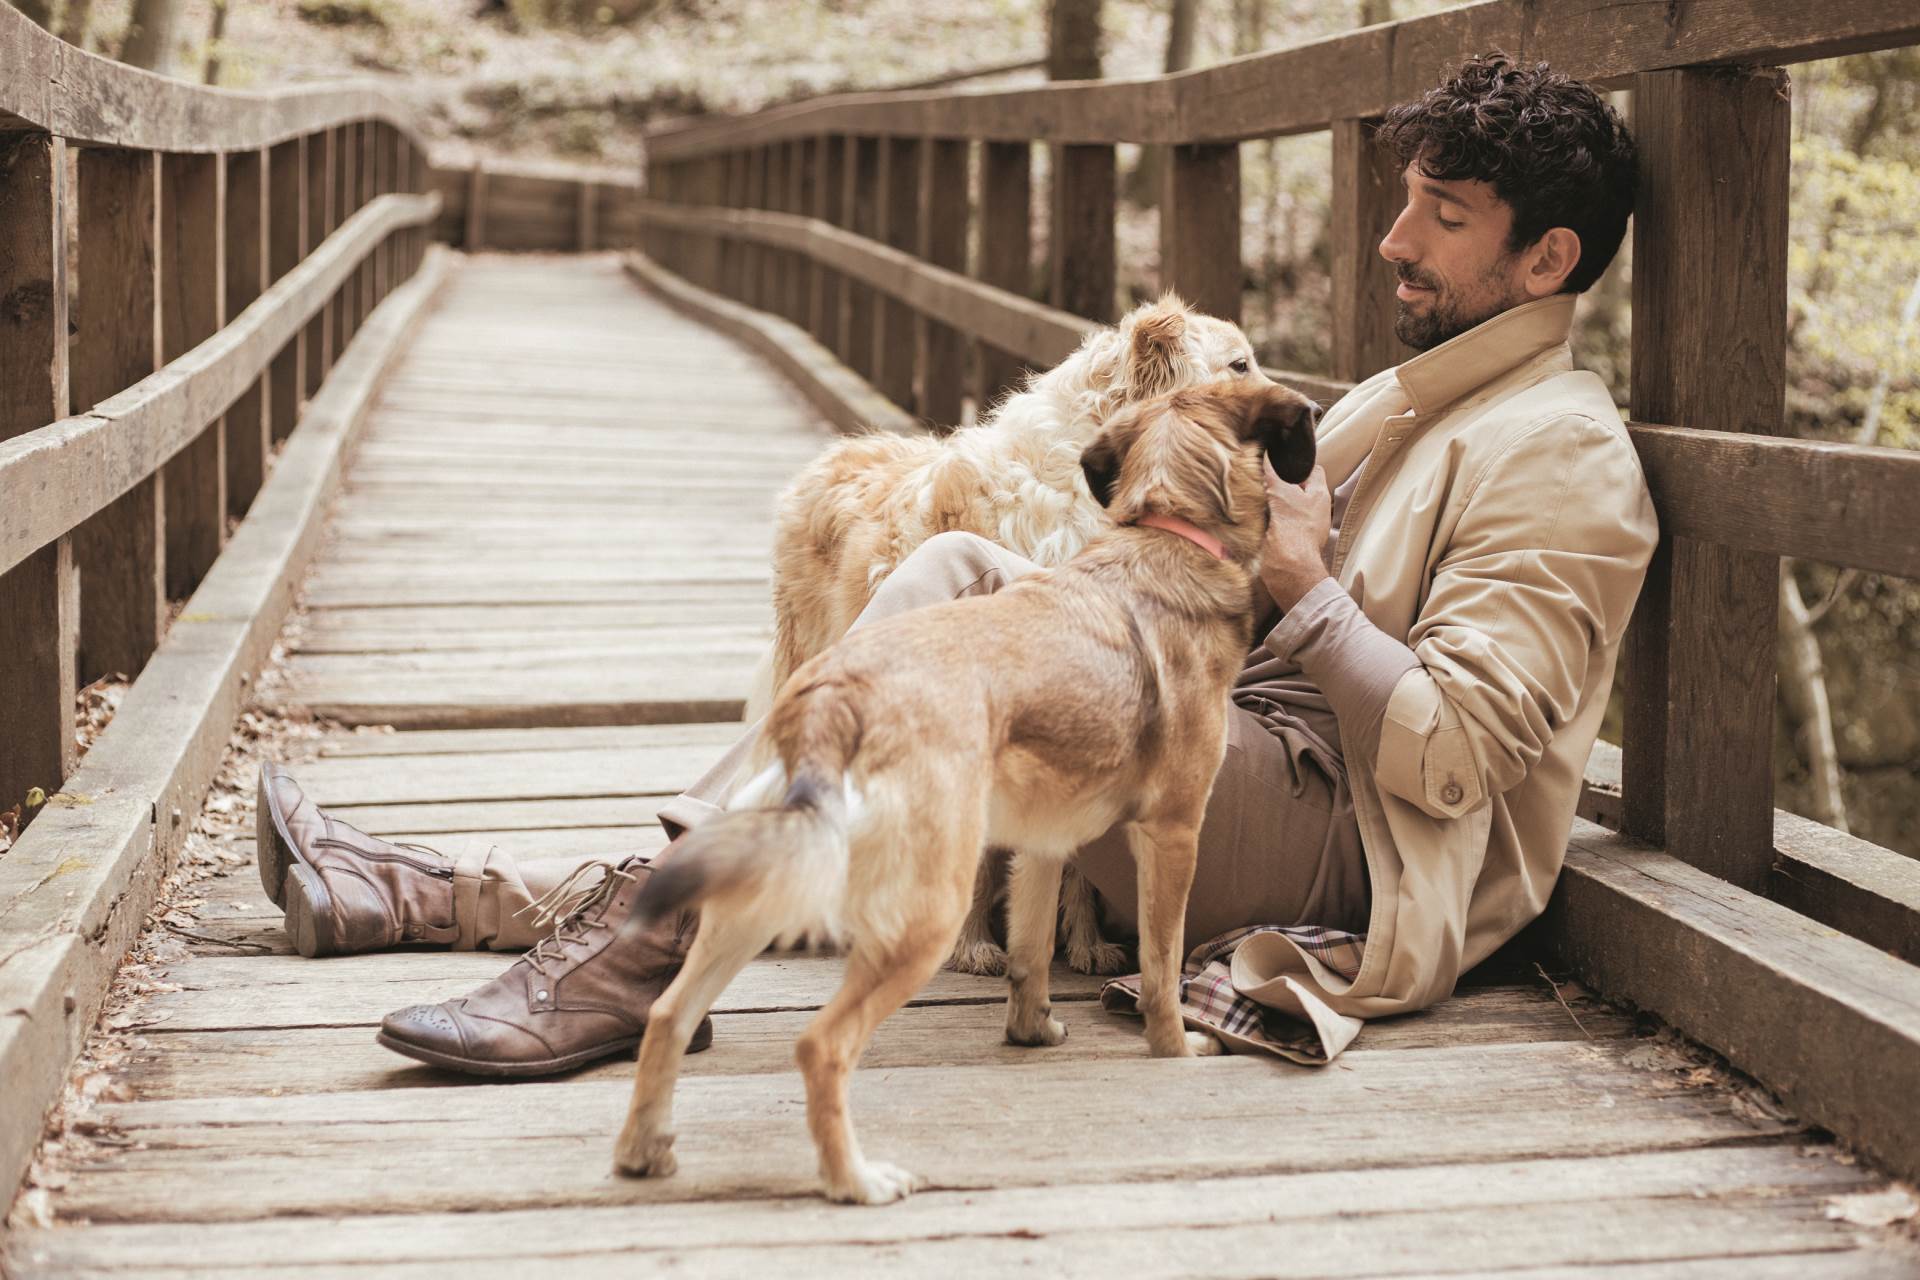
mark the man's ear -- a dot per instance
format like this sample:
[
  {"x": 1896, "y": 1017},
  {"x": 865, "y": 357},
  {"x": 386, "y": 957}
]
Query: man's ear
[
  {"x": 1100, "y": 464},
  {"x": 1281, "y": 422},
  {"x": 1551, "y": 260}
]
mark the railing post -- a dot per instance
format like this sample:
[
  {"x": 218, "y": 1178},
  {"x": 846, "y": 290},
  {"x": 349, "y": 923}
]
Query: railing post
[
  {"x": 862, "y": 201},
  {"x": 941, "y": 350},
  {"x": 829, "y": 189},
  {"x": 39, "y": 597},
  {"x": 369, "y": 148},
  {"x": 475, "y": 238},
  {"x": 1006, "y": 250},
  {"x": 1200, "y": 227},
  {"x": 737, "y": 254},
  {"x": 773, "y": 197},
  {"x": 586, "y": 221},
  {"x": 120, "y": 552},
  {"x": 249, "y": 428},
  {"x": 322, "y": 159},
  {"x": 1709, "y": 351},
  {"x": 192, "y": 309},
  {"x": 755, "y": 260},
  {"x": 286, "y": 246},
  {"x": 801, "y": 165},
  {"x": 1080, "y": 236},
  {"x": 899, "y": 227},
  {"x": 346, "y": 196},
  {"x": 1367, "y": 197}
]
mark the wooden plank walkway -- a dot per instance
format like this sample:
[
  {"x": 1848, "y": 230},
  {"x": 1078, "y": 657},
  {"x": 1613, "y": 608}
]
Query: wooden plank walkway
[{"x": 550, "y": 563}]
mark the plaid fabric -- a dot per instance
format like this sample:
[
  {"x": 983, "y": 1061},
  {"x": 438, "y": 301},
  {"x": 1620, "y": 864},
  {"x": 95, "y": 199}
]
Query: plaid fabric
[{"x": 1208, "y": 998}]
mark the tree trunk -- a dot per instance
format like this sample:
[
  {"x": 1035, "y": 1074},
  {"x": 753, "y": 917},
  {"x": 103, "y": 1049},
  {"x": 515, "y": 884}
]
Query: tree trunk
[
  {"x": 41, "y": 11},
  {"x": 75, "y": 21},
  {"x": 151, "y": 37},
  {"x": 1803, "y": 688},
  {"x": 1073, "y": 40},
  {"x": 1143, "y": 186},
  {"x": 216, "y": 32}
]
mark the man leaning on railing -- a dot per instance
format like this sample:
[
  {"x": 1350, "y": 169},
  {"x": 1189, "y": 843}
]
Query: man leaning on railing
[{"x": 1408, "y": 739}]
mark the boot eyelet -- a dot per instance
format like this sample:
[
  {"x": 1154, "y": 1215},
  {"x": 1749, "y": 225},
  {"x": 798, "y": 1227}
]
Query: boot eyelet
[{"x": 539, "y": 995}]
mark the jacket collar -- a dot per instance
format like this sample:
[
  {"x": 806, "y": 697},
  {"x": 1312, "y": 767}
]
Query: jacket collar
[{"x": 1436, "y": 378}]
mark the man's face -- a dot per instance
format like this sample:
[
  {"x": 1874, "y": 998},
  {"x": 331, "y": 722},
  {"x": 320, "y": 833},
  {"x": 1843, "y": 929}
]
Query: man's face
[{"x": 1449, "y": 247}]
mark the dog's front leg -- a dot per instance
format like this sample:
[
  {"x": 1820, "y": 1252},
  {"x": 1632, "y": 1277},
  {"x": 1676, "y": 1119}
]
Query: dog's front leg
[
  {"x": 1033, "y": 904},
  {"x": 1164, "y": 854}
]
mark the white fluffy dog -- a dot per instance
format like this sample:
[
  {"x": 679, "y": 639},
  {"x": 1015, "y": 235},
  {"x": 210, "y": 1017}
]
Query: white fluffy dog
[{"x": 862, "y": 507}]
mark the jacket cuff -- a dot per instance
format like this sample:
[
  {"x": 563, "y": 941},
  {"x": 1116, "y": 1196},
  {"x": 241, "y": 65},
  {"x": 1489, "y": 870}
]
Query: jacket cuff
[{"x": 1353, "y": 662}]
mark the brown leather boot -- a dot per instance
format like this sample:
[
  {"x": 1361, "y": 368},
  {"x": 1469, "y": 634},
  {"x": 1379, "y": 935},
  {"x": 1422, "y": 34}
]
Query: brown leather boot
[
  {"x": 342, "y": 889},
  {"x": 580, "y": 994}
]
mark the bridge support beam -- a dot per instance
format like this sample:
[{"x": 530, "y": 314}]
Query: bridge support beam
[
  {"x": 1200, "y": 227},
  {"x": 39, "y": 598},
  {"x": 1709, "y": 350},
  {"x": 321, "y": 219},
  {"x": 192, "y": 309},
  {"x": 899, "y": 228},
  {"x": 249, "y": 428},
  {"x": 940, "y": 351},
  {"x": 1080, "y": 237},
  {"x": 121, "y": 552},
  {"x": 1006, "y": 250},
  {"x": 1367, "y": 197},
  {"x": 286, "y": 246}
]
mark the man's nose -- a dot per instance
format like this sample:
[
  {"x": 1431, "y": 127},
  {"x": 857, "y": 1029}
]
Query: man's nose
[{"x": 1396, "y": 245}]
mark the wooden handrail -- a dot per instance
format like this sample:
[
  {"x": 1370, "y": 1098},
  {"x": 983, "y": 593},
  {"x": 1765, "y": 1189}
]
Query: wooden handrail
[
  {"x": 78, "y": 466},
  {"x": 1350, "y": 76},
  {"x": 50, "y": 86}
]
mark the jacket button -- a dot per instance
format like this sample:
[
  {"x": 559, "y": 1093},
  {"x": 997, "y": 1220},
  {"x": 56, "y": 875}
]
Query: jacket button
[{"x": 1451, "y": 793}]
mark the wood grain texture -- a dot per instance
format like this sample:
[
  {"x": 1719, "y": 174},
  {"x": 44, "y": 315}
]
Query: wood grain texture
[
  {"x": 39, "y": 607},
  {"x": 1200, "y": 228},
  {"x": 121, "y": 551},
  {"x": 1710, "y": 307},
  {"x": 1366, "y": 198},
  {"x": 1080, "y": 241},
  {"x": 193, "y": 309},
  {"x": 322, "y": 216},
  {"x": 286, "y": 245},
  {"x": 862, "y": 205},
  {"x": 249, "y": 429},
  {"x": 899, "y": 228},
  {"x": 1006, "y": 253},
  {"x": 940, "y": 351},
  {"x": 829, "y": 188}
]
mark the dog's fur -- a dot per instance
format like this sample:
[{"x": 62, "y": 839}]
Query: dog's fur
[
  {"x": 1035, "y": 719},
  {"x": 857, "y": 511}
]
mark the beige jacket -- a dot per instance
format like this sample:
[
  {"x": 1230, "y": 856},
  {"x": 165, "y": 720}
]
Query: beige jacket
[{"x": 1501, "y": 529}]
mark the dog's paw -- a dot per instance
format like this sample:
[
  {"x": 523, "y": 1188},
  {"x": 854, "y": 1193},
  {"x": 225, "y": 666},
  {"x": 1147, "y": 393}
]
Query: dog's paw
[
  {"x": 645, "y": 1156},
  {"x": 1202, "y": 1045},
  {"x": 873, "y": 1182},
  {"x": 1044, "y": 1035},
  {"x": 980, "y": 956},
  {"x": 1099, "y": 956}
]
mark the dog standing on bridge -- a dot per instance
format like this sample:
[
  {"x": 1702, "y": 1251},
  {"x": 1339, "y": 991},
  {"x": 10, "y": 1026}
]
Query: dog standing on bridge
[{"x": 1033, "y": 719}]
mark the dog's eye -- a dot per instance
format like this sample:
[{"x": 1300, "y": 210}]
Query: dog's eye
[{"x": 1240, "y": 366}]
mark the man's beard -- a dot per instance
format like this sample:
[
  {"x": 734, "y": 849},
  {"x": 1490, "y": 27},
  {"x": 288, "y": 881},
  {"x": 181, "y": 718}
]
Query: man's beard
[{"x": 1447, "y": 315}]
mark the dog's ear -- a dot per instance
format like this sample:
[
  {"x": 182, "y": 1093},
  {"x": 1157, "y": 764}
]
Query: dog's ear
[
  {"x": 1281, "y": 422},
  {"x": 1157, "y": 348}
]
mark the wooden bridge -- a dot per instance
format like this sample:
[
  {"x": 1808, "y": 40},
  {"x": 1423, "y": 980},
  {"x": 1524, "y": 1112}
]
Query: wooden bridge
[{"x": 271, "y": 451}]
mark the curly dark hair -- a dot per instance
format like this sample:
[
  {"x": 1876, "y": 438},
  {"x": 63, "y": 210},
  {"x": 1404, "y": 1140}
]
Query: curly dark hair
[{"x": 1551, "y": 148}]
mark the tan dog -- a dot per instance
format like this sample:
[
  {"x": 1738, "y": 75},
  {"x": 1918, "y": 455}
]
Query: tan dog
[
  {"x": 1035, "y": 719},
  {"x": 857, "y": 511}
]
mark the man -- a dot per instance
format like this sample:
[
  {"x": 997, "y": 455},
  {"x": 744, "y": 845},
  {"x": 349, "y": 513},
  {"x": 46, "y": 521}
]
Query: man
[{"x": 1409, "y": 736}]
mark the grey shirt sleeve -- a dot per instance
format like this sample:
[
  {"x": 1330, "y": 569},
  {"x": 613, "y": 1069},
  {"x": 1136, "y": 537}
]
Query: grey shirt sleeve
[{"x": 1354, "y": 663}]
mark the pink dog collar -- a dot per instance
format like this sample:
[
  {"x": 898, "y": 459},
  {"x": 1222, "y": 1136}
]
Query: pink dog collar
[{"x": 1197, "y": 536}]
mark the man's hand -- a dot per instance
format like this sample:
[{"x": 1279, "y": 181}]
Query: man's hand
[{"x": 1291, "y": 558}]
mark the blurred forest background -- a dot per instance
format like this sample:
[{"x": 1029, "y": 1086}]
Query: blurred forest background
[{"x": 579, "y": 81}]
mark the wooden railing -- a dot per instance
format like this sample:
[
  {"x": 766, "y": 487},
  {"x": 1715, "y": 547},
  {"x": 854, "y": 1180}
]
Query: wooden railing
[
  {"x": 490, "y": 206},
  {"x": 180, "y": 269},
  {"x": 850, "y": 217}
]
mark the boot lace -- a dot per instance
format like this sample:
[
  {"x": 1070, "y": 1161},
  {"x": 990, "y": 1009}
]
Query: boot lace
[{"x": 567, "y": 905}]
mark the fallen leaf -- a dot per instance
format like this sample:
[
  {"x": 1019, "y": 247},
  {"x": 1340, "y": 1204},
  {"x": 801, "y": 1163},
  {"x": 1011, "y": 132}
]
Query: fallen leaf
[{"x": 1873, "y": 1208}]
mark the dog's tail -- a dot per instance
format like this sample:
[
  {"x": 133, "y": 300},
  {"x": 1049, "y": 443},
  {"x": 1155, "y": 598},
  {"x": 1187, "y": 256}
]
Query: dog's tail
[{"x": 786, "y": 859}]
